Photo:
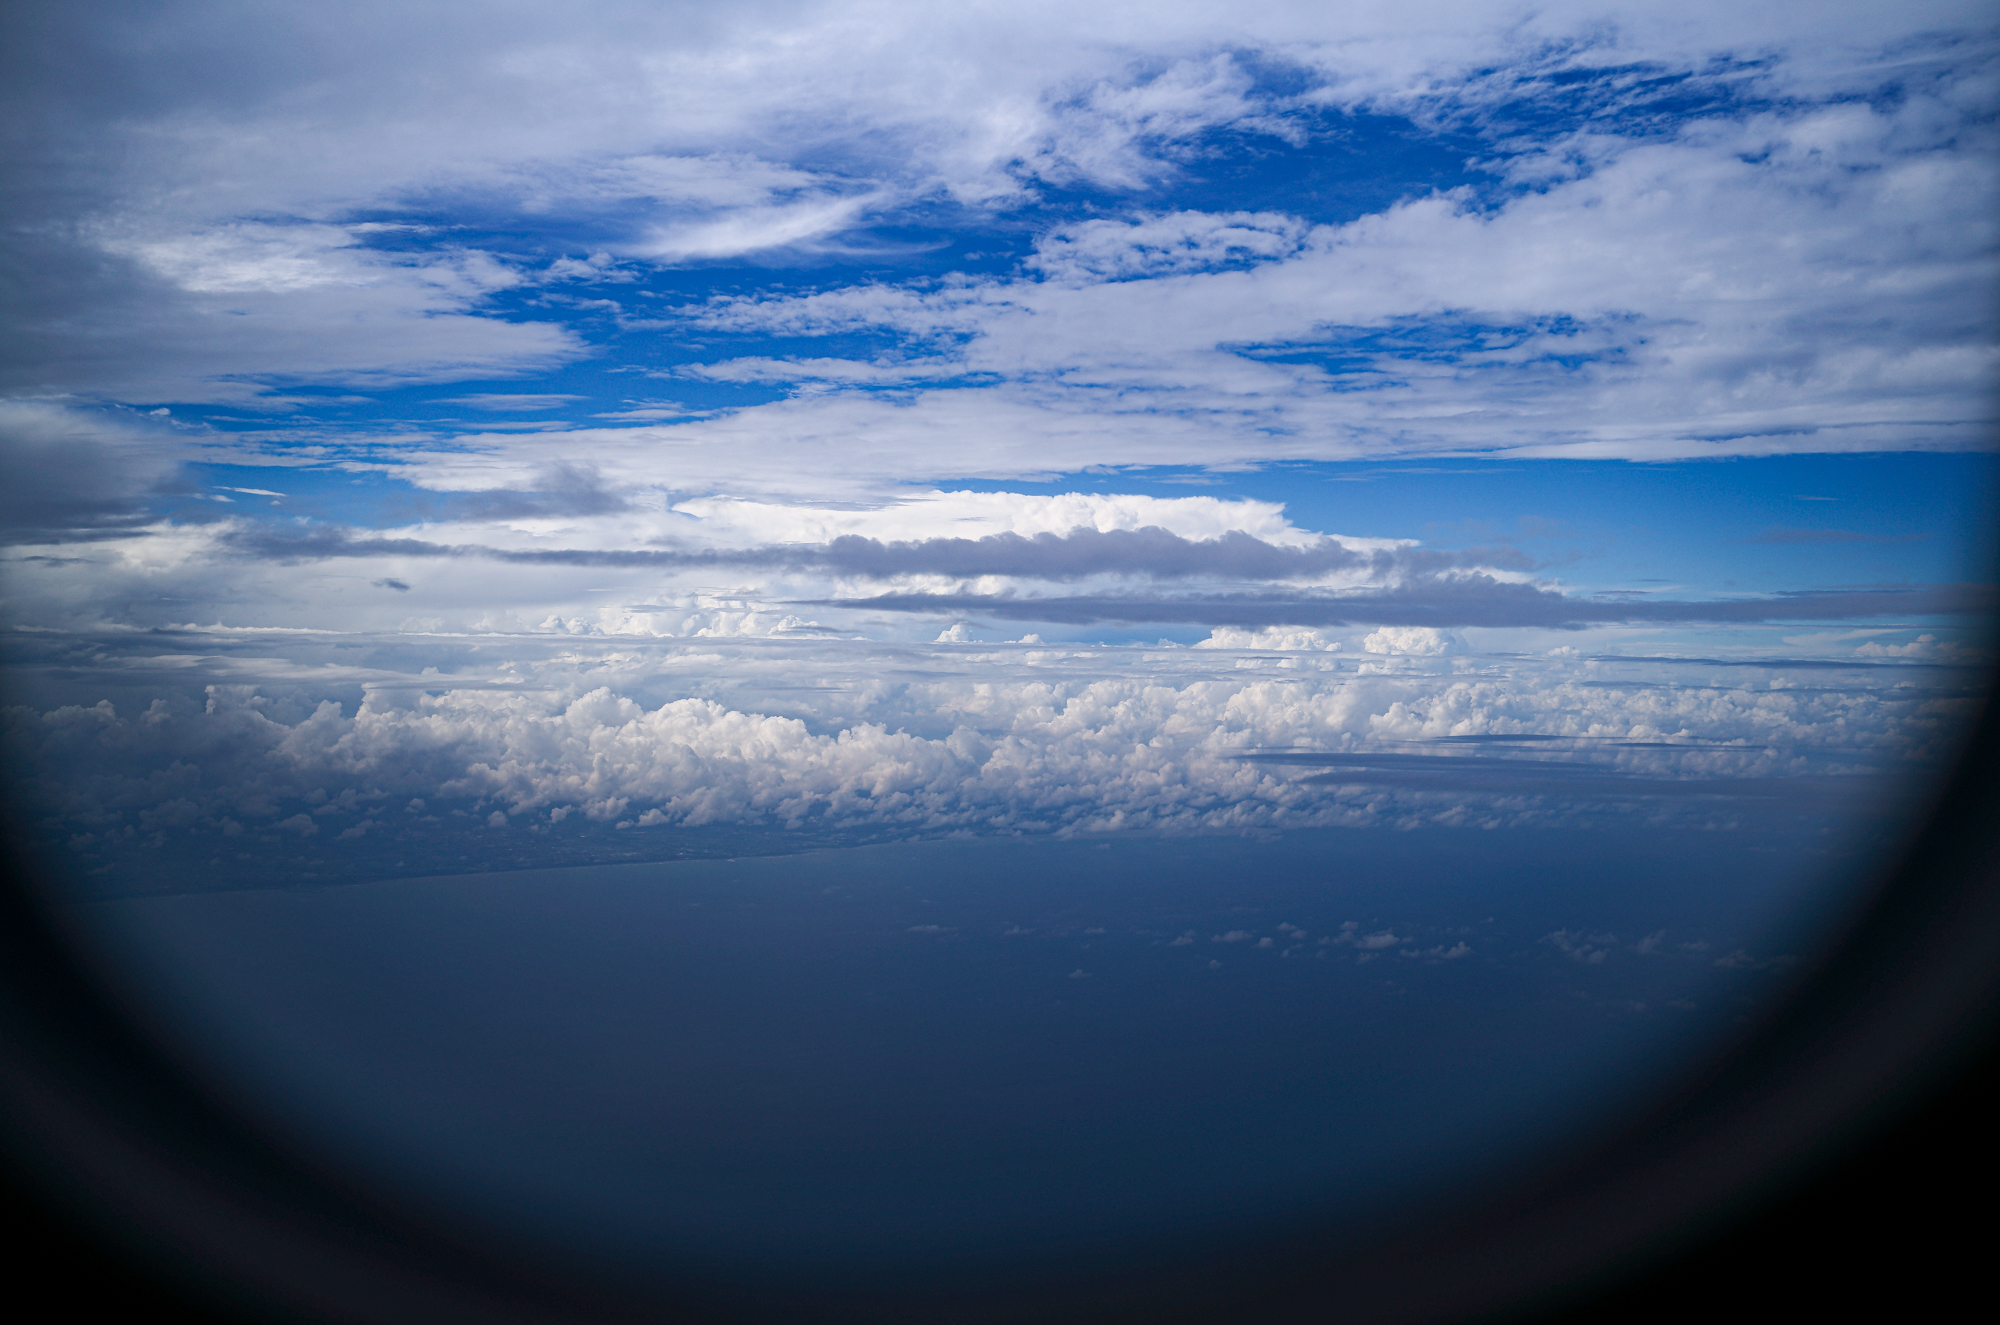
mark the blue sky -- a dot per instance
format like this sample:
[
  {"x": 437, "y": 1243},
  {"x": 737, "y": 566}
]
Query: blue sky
[{"x": 1355, "y": 377}]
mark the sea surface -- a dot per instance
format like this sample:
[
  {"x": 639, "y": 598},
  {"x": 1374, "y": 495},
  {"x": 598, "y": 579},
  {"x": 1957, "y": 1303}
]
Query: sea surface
[{"x": 896, "y": 1055}]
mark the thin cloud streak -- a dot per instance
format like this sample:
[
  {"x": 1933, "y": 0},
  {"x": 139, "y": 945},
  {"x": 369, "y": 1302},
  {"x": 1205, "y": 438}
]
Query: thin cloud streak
[
  {"x": 1151, "y": 552},
  {"x": 1424, "y": 588},
  {"x": 1469, "y": 601}
]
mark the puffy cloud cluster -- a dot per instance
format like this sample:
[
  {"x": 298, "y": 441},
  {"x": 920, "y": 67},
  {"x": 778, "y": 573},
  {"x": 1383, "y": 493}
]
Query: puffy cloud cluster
[
  {"x": 1025, "y": 739},
  {"x": 930, "y": 515},
  {"x": 688, "y": 616},
  {"x": 1278, "y": 639},
  {"x": 1426, "y": 641}
]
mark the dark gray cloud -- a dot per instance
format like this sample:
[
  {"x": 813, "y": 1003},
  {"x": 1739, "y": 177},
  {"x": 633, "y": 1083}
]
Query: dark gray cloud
[
  {"x": 88, "y": 160},
  {"x": 1150, "y": 553},
  {"x": 1793, "y": 665},
  {"x": 561, "y": 489},
  {"x": 1471, "y": 600},
  {"x": 328, "y": 542},
  {"x": 1424, "y": 593},
  {"x": 1526, "y": 776},
  {"x": 71, "y": 481}
]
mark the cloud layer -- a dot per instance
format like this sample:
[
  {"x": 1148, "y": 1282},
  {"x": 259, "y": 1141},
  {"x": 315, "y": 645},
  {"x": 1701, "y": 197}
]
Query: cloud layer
[
  {"x": 1035, "y": 740},
  {"x": 610, "y": 362},
  {"x": 1683, "y": 233}
]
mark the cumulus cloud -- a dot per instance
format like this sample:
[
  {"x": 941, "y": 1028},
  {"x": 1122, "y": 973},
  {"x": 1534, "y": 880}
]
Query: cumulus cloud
[
  {"x": 1591, "y": 949},
  {"x": 1277, "y": 639},
  {"x": 1920, "y": 647},
  {"x": 1046, "y": 745},
  {"x": 899, "y": 514},
  {"x": 1425, "y": 641}
]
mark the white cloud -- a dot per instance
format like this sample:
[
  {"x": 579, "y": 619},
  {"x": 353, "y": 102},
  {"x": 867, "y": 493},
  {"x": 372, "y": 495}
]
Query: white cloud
[
  {"x": 1739, "y": 286},
  {"x": 919, "y": 514},
  {"x": 1590, "y": 949},
  {"x": 758, "y": 369},
  {"x": 1692, "y": 262},
  {"x": 1921, "y": 646},
  {"x": 1422, "y": 641},
  {"x": 523, "y": 400},
  {"x": 1183, "y": 241},
  {"x": 781, "y": 734},
  {"x": 211, "y": 312},
  {"x": 783, "y": 226},
  {"x": 1277, "y": 639},
  {"x": 244, "y": 257}
]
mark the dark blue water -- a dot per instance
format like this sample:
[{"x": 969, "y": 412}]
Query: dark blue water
[{"x": 882, "y": 1055}]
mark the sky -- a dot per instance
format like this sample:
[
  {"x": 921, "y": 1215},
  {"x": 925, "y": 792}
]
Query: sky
[{"x": 438, "y": 429}]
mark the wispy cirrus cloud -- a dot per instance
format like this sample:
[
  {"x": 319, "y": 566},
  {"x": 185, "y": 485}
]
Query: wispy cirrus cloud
[{"x": 502, "y": 401}]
